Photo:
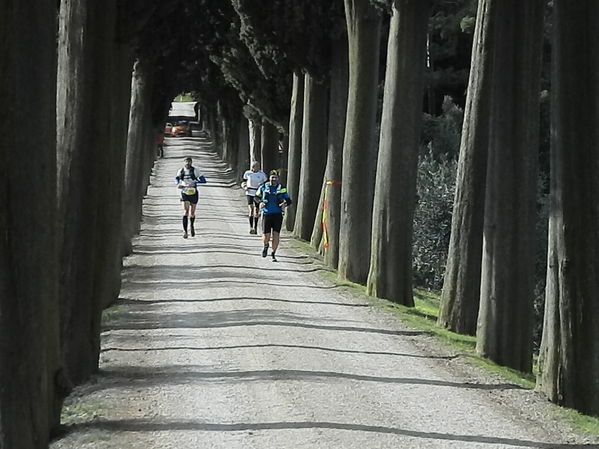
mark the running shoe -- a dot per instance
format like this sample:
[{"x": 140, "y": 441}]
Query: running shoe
[{"x": 274, "y": 259}]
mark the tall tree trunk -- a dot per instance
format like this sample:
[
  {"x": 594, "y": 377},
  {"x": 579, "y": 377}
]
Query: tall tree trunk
[
  {"x": 233, "y": 141},
  {"x": 336, "y": 131},
  {"x": 221, "y": 129},
  {"x": 504, "y": 330},
  {"x": 243, "y": 157},
  {"x": 313, "y": 156},
  {"x": 255, "y": 141},
  {"x": 204, "y": 126},
  {"x": 295, "y": 147},
  {"x": 135, "y": 179},
  {"x": 29, "y": 318},
  {"x": 119, "y": 123},
  {"x": 390, "y": 274},
  {"x": 317, "y": 233},
  {"x": 284, "y": 158},
  {"x": 211, "y": 122},
  {"x": 87, "y": 39},
  {"x": 569, "y": 355},
  {"x": 325, "y": 232},
  {"x": 109, "y": 120},
  {"x": 230, "y": 124},
  {"x": 269, "y": 147},
  {"x": 359, "y": 151},
  {"x": 461, "y": 286}
]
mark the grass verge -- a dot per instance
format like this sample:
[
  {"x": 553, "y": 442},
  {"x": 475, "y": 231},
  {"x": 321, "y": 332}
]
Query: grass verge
[{"x": 423, "y": 316}]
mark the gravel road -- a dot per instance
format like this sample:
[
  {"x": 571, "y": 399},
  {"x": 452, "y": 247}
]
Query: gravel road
[{"x": 212, "y": 346}]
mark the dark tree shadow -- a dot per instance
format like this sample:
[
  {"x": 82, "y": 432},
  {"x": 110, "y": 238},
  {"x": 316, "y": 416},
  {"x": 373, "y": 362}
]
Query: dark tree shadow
[
  {"x": 312, "y": 348},
  {"x": 143, "y": 425},
  {"x": 236, "y": 318},
  {"x": 143, "y": 302}
]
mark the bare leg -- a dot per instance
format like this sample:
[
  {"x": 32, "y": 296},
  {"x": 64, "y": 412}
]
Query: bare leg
[
  {"x": 265, "y": 240},
  {"x": 256, "y": 217},
  {"x": 186, "y": 205},
  {"x": 251, "y": 213},
  {"x": 275, "y": 241},
  {"x": 192, "y": 218}
]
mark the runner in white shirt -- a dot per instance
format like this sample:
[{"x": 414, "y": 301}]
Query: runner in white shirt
[
  {"x": 188, "y": 179},
  {"x": 253, "y": 179}
]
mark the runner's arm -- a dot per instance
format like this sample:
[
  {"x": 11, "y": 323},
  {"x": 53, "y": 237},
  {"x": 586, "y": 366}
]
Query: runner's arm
[{"x": 200, "y": 179}]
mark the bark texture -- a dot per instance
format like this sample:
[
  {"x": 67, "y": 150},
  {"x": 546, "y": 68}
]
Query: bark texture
[
  {"x": 359, "y": 151},
  {"x": 269, "y": 147},
  {"x": 120, "y": 80},
  {"x": 29, "y": 335},
  {"x": 230, "y": 126},
  {"x": 569, "y": 355},
  {"x": 461, "y": 286},
  {"x": 140, "y": 153},
  {"x": 87, "y": 42},
  {"x": 504, "y": 329},
  {"x": 313, "y": 156},
  {"x": 295, "y": 147},
  {"x": 255, "y": 141},
  {"x": 243, "y": 149},
  {"x": 335, "y": 135},
  {"x": 390, "y": 274}
]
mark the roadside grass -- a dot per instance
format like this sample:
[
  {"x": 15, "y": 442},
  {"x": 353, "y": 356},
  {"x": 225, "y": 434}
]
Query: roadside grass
[
  {"x": 81, "y": 412},
  {"x": 423, "y": 316},
  {"x": 113, "y": 312}
]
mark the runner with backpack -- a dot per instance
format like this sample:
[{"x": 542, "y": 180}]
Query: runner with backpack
[
  {"x": 273, "y": 201},
  {"x": 188, "y": 179}
]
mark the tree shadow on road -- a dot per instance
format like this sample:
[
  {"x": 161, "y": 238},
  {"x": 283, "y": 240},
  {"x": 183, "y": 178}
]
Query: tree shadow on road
[
  {"x": 152, "y": 377},
  {"x": 163, "y": 425},
  {"x": 236, "y": 318},
  {"x": 146, "y": 349},
  {"x": 172, "y": 301}
]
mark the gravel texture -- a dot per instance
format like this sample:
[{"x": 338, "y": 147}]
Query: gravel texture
[{"x": 212, "y": 346}]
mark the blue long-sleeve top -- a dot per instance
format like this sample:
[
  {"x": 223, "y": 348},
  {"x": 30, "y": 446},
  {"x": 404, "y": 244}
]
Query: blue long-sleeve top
[{"x": 272, "y": 196}]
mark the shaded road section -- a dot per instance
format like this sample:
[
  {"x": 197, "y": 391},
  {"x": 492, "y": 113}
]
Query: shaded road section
[{"x": 212, "y": 346}]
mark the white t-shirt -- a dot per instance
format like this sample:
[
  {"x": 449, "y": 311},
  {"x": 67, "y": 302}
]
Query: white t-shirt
[{"x": 254, "y": 180}]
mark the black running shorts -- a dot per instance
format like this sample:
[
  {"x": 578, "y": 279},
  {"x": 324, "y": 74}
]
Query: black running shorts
[
  {"x": 193, "y": 199},
  {"x": 252, "y": 200},
  {"x": 272, "y": 222}
]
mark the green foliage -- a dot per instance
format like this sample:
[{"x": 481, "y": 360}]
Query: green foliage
[
  {"x": 441, "y": 135},
  {"x": 467, "y": 24},
  {"x": 432, "y": 219},
  {"x": 196, "y": 47},
  {"x": 184, "y": 97},
  {"x": 290, "y": 35},
  {"x": 436, "y": 182},
  {"x": 449, "y": 49}
]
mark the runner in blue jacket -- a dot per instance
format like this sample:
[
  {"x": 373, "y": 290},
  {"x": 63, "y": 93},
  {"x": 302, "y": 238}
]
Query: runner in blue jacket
[{"x": 273, "y": 200}]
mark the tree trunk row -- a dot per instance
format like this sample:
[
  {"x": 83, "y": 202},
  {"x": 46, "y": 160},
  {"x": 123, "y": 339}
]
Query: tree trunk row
[
  {"x": 29, "y": 312},
  {"x": 569, "y": 355},
  {"x": 72, "y": 195}
]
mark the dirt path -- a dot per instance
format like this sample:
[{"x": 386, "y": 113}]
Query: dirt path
[{"x": 212, "y": 346}]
